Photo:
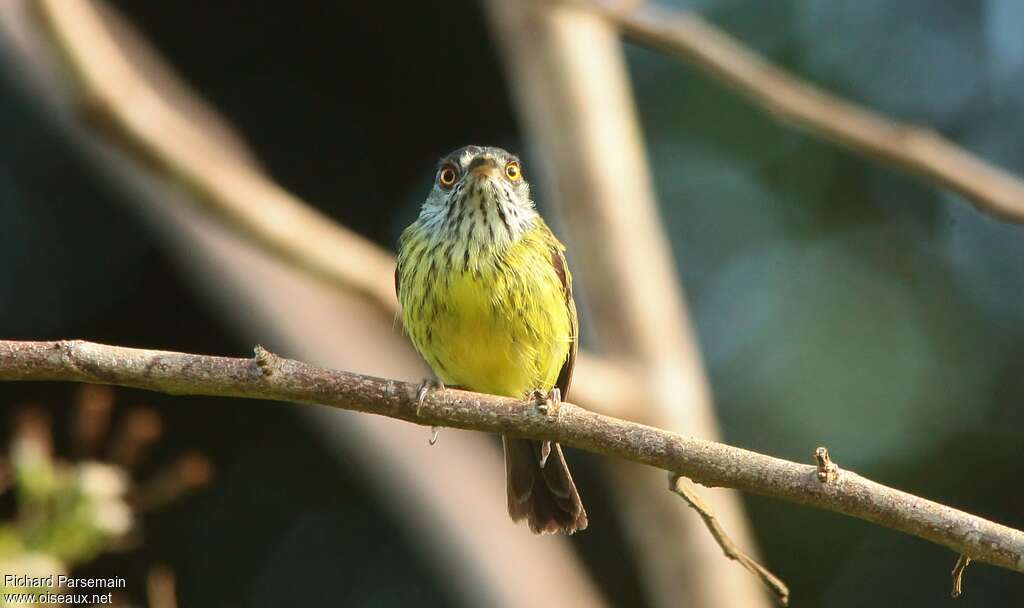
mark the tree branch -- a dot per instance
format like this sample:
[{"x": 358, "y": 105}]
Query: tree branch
[
  {"x": 267, "y": 376},
  {"x": 912, "y": 149}
]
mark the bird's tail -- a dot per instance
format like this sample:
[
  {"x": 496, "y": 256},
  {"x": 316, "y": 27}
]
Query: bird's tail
[{"x": 543, "y": 495}]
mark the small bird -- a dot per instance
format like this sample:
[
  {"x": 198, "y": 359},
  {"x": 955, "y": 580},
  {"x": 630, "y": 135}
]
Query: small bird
[{"x": 486, "y": 299}]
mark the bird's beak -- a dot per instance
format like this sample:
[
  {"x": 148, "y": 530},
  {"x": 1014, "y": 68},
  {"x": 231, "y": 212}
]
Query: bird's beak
[{"x": 484, "y": 166}]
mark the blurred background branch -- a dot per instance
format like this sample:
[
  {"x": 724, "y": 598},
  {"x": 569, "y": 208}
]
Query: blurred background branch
[
  {"x": 116, "y": 97},
  {"x": 268, "y": 376},
  {"x": 915, "y": 150}
]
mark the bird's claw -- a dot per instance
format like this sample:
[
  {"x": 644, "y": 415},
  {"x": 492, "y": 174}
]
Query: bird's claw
[
  {"x": 421, "y": 397},
  {"x": 547, "y": 403},
  {"x": 545, "y": 451},
  {"x": 425, "y": 386}
]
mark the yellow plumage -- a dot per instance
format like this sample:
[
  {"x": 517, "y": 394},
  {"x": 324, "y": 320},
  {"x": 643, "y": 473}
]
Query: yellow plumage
[
  {"x": 498, "y": 324},
  {"x": 486, "y": 298}
]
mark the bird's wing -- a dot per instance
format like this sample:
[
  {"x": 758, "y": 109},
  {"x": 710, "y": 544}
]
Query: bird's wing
[{"x": 562, "y": 269}]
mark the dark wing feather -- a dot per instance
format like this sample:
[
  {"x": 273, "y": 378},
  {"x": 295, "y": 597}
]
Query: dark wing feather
[
  {"x": 546, "y": 496},
  {"x": 562, "y": 269}
]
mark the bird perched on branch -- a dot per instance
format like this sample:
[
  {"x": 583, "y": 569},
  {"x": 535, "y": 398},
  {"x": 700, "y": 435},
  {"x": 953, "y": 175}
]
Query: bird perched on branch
[{"x": 486, "y": 298}]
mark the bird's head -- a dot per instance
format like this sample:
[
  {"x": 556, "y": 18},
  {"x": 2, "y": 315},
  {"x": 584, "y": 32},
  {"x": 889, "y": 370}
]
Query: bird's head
[{"x": 479, "y": 188}]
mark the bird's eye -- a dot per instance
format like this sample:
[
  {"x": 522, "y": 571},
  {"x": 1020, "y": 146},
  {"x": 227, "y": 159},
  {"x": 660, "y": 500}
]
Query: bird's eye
[
  {"x": 512, "y": 171},
  {"x": 448, "y": 175}
]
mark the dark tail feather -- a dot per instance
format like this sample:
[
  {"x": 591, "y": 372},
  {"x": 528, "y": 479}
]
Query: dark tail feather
[{"x": 546, "y": 497}]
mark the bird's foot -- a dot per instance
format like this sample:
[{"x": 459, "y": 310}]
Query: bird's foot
[
  {"x": 421, "y": 396},
  {"x": 424, "y": 389},
  {"x": 545, "y": 451},
  {"x": 547, "y": 403}
]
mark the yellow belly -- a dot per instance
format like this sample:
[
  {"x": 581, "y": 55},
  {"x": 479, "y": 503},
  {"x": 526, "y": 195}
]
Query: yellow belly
[
  {"x": 502, "y": 329},
  {"x": 499, "y": 349}
]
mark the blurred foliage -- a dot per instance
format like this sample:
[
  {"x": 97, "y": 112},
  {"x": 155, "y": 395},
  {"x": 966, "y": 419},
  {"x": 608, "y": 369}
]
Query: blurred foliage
[
  {"x": 71, "y": 513},
  {"x": 60, "y": 515},
  {"x": 837, "y": 302},
  {"x": 65, "y": 513}
]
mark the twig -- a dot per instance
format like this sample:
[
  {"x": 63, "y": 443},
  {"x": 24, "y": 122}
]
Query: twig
[
  {"x": 706, "y": 462},
  {"x": 915, "y": 150},
  {"x": 827, "y": 470},
  {"x": 681, "y": 486},
  {"x": 958, "y": 574}
]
